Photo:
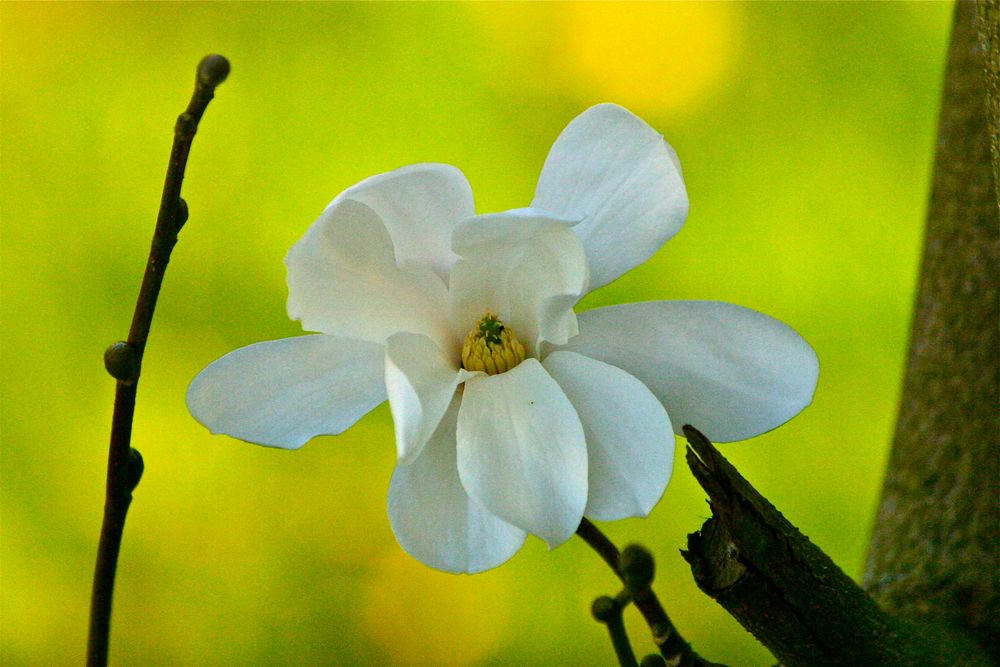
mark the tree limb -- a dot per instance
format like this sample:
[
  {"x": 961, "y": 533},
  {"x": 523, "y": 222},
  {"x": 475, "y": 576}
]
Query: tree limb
[{"x": 785, "y": 591}]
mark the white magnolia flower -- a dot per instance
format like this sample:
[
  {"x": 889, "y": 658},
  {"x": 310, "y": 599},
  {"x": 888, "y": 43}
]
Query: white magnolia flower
[{"x": 512, "y": 414}]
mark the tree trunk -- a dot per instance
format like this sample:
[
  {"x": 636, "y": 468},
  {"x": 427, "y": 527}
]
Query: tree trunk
[{"x": 933, "y": 554}]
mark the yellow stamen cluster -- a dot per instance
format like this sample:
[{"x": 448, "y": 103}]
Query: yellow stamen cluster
[{"x": 491, "y": 347}]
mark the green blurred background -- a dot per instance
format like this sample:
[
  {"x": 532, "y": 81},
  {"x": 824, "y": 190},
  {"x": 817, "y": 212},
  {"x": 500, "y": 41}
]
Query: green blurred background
[{"x": 806, "y": 134}]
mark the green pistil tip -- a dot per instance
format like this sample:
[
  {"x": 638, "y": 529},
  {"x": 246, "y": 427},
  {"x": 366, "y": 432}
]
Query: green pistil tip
[{"x": 490, "y": 328}]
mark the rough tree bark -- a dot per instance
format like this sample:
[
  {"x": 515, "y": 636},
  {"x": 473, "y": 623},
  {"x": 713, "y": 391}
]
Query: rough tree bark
[
  {"x": 932, "y": 566},
  {"x": 933, "y": 553},
  {"x": 988, "y": 26}
]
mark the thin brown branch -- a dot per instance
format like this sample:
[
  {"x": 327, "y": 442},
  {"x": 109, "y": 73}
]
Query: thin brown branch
[
  {"x": 635, "y": 569},
  {"x": 124, "y": 361},
  {"x": 600, "y": 543}
]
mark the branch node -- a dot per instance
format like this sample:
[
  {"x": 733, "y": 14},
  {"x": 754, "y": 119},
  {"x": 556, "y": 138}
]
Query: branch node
[
  {"x": 662, "y": 633},
  {"x": 186, "y": 126}
]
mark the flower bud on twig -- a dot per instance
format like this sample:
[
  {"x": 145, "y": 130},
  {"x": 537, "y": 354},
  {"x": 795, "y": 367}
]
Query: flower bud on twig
[
  {"x": 121, "y": 361},
  {"x": 135, "y": 468},
  {"x": 213, "y": 70},
  {"x": 637, "y": 566}
]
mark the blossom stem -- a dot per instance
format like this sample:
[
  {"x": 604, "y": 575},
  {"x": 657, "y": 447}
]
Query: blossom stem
[
  {"x": 124, "y": 361},
  {"x": 600, "y": 543},
  {"x": 635, "y": 569}
]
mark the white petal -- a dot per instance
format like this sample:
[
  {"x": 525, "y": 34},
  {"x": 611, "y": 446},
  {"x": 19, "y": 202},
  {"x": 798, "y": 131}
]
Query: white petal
[
  {"x": 419, "y": 205},
  {"x": 521, "y": 451},
  {"x": 528, "y": 268},
  {"x": 281, "y": 393},
  {"x": 436, "y": 521},
  {"x": 421, "y": 381},
  {"x": 343, "y": 280},
  {"x": 630, "y": 443},
  {"x": 731, "y": 372},
  {"x": 611, "y": 168}
]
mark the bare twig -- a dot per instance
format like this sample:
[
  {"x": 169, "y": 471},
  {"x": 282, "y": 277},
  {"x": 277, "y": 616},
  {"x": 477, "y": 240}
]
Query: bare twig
[{"x": 124, "y": 361}]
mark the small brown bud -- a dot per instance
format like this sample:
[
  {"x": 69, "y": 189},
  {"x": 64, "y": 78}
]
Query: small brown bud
[
  {"x": 121, "y": 361},
  {"x": 213, "y": 70},
  {"x": 637, "y": 567},
  {"x": 182, "y": 213},
  {"x": 604, "y": 608},
  {"x": 135, "y": 468}
]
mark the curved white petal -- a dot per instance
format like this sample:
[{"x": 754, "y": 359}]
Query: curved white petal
[
  {"x": 521, "y": 451},
  {"x": 420, "y": 380},
  {"x": 525, "y": 266},
  {"x": 729, "y": 371},
  {"x": 281, "y": 393},
  {"x": 630, "y": 443},
  {"x": 436, "y": 521},
  {"x": 419, "y": 205},
  {"x": 343, "y": 280},
  {"x": 611, "y": 168}
]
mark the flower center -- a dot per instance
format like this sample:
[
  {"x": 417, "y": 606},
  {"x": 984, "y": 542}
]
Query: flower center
[{"x": 491, "y": 347}]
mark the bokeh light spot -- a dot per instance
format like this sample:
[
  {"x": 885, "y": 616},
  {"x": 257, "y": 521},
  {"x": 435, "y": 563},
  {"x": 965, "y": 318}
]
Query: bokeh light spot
[{"x": 653, "y": 56}]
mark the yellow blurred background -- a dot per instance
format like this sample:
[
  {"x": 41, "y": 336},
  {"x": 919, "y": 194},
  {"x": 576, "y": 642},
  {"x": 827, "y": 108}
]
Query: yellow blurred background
[{"x": 805, "y": 131}]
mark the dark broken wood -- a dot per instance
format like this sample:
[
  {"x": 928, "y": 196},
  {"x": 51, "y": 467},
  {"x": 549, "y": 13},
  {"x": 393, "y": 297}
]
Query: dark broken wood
[{"x": 789, "y": 594}]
